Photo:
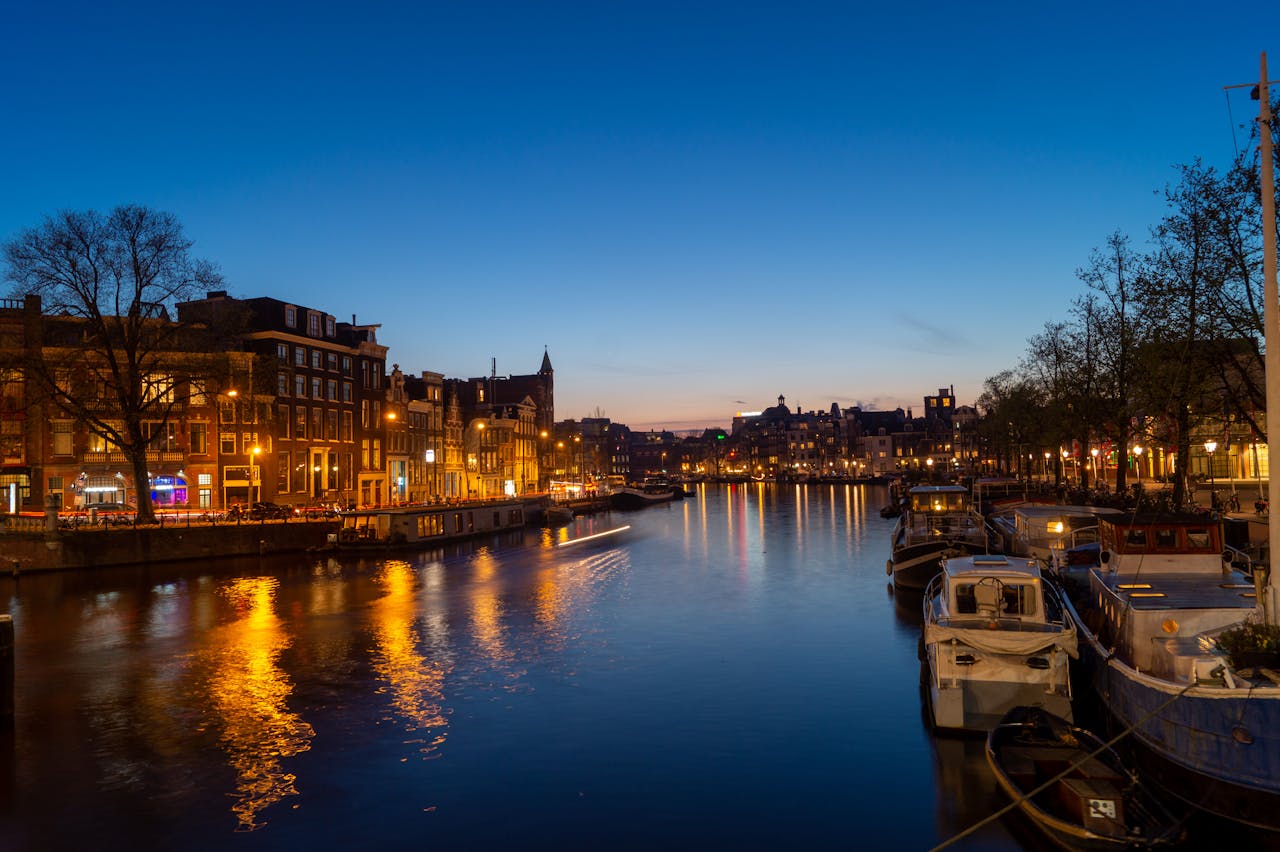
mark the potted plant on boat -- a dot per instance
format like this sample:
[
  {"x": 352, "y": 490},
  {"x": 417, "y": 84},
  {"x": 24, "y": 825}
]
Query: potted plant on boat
[{"x": 1251, "y": 644}]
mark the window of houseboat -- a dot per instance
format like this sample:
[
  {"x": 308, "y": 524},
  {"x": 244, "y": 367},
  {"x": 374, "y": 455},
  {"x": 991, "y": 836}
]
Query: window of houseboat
[
  {"x": 1136, "y": 538},
  {"x": 1199, "y": 539},
  {"x": 1166, "y": 538}
]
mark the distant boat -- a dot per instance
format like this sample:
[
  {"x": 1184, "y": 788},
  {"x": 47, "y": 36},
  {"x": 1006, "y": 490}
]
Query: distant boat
[
  {"x": 558, "y": 516},
  {"x": 424, "y": 526},
  {"x": 1074, "y": 787},
  {"x": 650, "y": 493}
]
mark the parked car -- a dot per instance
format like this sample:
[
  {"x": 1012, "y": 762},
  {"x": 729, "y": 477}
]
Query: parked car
[{"x": 266, "y": 511}]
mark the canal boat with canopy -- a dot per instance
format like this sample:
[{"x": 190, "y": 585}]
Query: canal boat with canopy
[{"x": 996, "y": 636}]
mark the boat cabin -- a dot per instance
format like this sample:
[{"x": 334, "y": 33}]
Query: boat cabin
[
  {"x": 938, "y": 499},
  {"x": 991, "y": 588},
  {"x": 1165, "y": 581}
]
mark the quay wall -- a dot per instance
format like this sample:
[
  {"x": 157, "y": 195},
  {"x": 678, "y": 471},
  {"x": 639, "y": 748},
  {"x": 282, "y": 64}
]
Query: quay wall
[{"x": 21, "y": 552}]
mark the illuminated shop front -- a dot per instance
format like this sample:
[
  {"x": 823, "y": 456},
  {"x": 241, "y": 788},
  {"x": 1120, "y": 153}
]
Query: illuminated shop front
[
  {"x": 95, "y": 488},
  {"x": 169, "y": 490}
]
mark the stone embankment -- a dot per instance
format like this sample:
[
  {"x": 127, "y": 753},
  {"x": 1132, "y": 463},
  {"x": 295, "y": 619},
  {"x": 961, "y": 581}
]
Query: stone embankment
[{"x": 98, "y": 546}]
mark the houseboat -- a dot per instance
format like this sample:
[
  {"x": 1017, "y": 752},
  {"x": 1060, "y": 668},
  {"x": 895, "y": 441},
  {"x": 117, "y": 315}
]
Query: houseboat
[
  {"x": 423, "y": 526},
  {"x": 1207, "y": 725}
]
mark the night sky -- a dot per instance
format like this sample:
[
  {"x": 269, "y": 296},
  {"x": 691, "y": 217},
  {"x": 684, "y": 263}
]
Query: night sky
[{"x": 695, "y": 207}]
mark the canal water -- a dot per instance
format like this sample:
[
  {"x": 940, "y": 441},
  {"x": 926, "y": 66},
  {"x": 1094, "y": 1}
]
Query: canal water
[{"x": 732, "y": 672}]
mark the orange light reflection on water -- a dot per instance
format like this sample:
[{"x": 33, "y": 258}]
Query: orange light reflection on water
[
  {"x": 248, "y": 691},
  {"x": 414, "y": 682}
]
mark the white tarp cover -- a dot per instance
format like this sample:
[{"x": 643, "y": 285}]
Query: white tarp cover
[{"x": 1003, "y": 641}]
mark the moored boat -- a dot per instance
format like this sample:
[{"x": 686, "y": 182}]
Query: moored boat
[
  {"x": 937, "y": 522},
  {"x": 1206, "y": 730},
  {"x": 423, "y": 526},
  {"x": 1074, "y": 787},
  {"x": 637, "y": 497},
  {"x": 996, "y": 636},
  {"x": 1037, "y": 529}
]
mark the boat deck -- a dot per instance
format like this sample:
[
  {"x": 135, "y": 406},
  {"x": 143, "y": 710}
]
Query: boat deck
[{"x": 1183, "y": 591}]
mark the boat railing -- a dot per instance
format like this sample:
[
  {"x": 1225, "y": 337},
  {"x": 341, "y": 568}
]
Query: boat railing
[{"x": 1238, "y": 559}]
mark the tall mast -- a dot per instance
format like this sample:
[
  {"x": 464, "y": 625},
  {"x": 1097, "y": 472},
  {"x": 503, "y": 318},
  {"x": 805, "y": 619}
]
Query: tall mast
[{"x": 1271, "y": 332}]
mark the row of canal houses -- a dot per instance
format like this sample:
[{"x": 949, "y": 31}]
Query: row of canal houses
[{"x": 306, "y": 410}]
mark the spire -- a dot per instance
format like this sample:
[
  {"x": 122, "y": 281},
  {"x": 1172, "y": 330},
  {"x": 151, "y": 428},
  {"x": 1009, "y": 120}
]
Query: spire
[{"x": 546, "y": 362}]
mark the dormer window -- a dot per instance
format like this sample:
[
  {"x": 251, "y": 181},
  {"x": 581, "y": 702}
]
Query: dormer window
[
  {"x": 291, "y": 316},
  {"x": 313, "y": 324},
  {"x": 330, "y": 327}
]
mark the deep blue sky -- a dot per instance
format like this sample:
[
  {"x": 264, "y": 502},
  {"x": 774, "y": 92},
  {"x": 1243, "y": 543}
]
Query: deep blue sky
[{"x": 695, "y": 207}]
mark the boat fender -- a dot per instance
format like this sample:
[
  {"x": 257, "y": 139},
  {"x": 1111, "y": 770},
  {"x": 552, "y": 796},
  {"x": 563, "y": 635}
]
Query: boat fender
[
  {"x": 888, "y": 567},
  {"x": 1226, "y": 556}
]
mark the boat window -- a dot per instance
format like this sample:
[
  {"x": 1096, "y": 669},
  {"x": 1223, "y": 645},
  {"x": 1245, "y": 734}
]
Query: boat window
[
  {"x": 1199, "y": 539},
  {"x": 1136, "y": 538},
  {"x": 1015, "y": 599},
  {"x": 1019, "y": 600},
  {"x": 1166, "y": 538}
]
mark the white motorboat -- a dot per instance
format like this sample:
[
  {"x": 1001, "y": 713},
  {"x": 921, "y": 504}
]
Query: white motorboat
[{"x": 996, "y": 636}]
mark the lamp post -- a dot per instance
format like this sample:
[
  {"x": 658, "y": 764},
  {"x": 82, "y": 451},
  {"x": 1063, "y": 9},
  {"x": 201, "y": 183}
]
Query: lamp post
[
  {"x": 1137, "y": 452},
  {"x": 544, "y": 476},
  {"x": 582, "y": 479},
  {"x": 1094, "y": 452},
  {"x": 929, "y": 464},
  {"x": 1046, "y": 466},
  {"x": 255, "y": 477},
  {"x": 1209, "y": 447}
]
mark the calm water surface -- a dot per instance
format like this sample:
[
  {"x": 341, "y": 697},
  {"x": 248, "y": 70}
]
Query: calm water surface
[{"x": 731, "y": 673}]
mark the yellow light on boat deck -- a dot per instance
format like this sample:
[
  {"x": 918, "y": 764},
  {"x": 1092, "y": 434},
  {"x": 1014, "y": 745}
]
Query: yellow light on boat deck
[
  {"x": 1134, "y": 586},
  {"x": 1169, "y": 626},
  {"x": 1055, "y": 526},
  {"x": 1147, "y": 595}
]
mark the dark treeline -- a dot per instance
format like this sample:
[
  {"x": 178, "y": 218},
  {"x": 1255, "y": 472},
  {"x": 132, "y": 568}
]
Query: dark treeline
[{"x": 1164, "y": 343}]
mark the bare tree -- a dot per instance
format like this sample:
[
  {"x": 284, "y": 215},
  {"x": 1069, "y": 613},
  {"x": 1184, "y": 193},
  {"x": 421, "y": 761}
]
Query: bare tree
[
  {"x": 1113, "y": 308},
  {"x": 114, "y": 359}
]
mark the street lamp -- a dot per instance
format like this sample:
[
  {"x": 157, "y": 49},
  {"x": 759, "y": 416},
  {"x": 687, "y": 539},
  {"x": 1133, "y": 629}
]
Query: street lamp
[
  {"x": 929, "y": 463},
  {"x": 1137, "y": 451},
  {"x": 1094, "y": 452},
  {"x": 1209, "y": 447},
  {"x": 1046, "y": 466}
]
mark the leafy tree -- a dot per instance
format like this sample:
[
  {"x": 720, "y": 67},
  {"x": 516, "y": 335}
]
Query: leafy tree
[{"x": 114, "y": 359}]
